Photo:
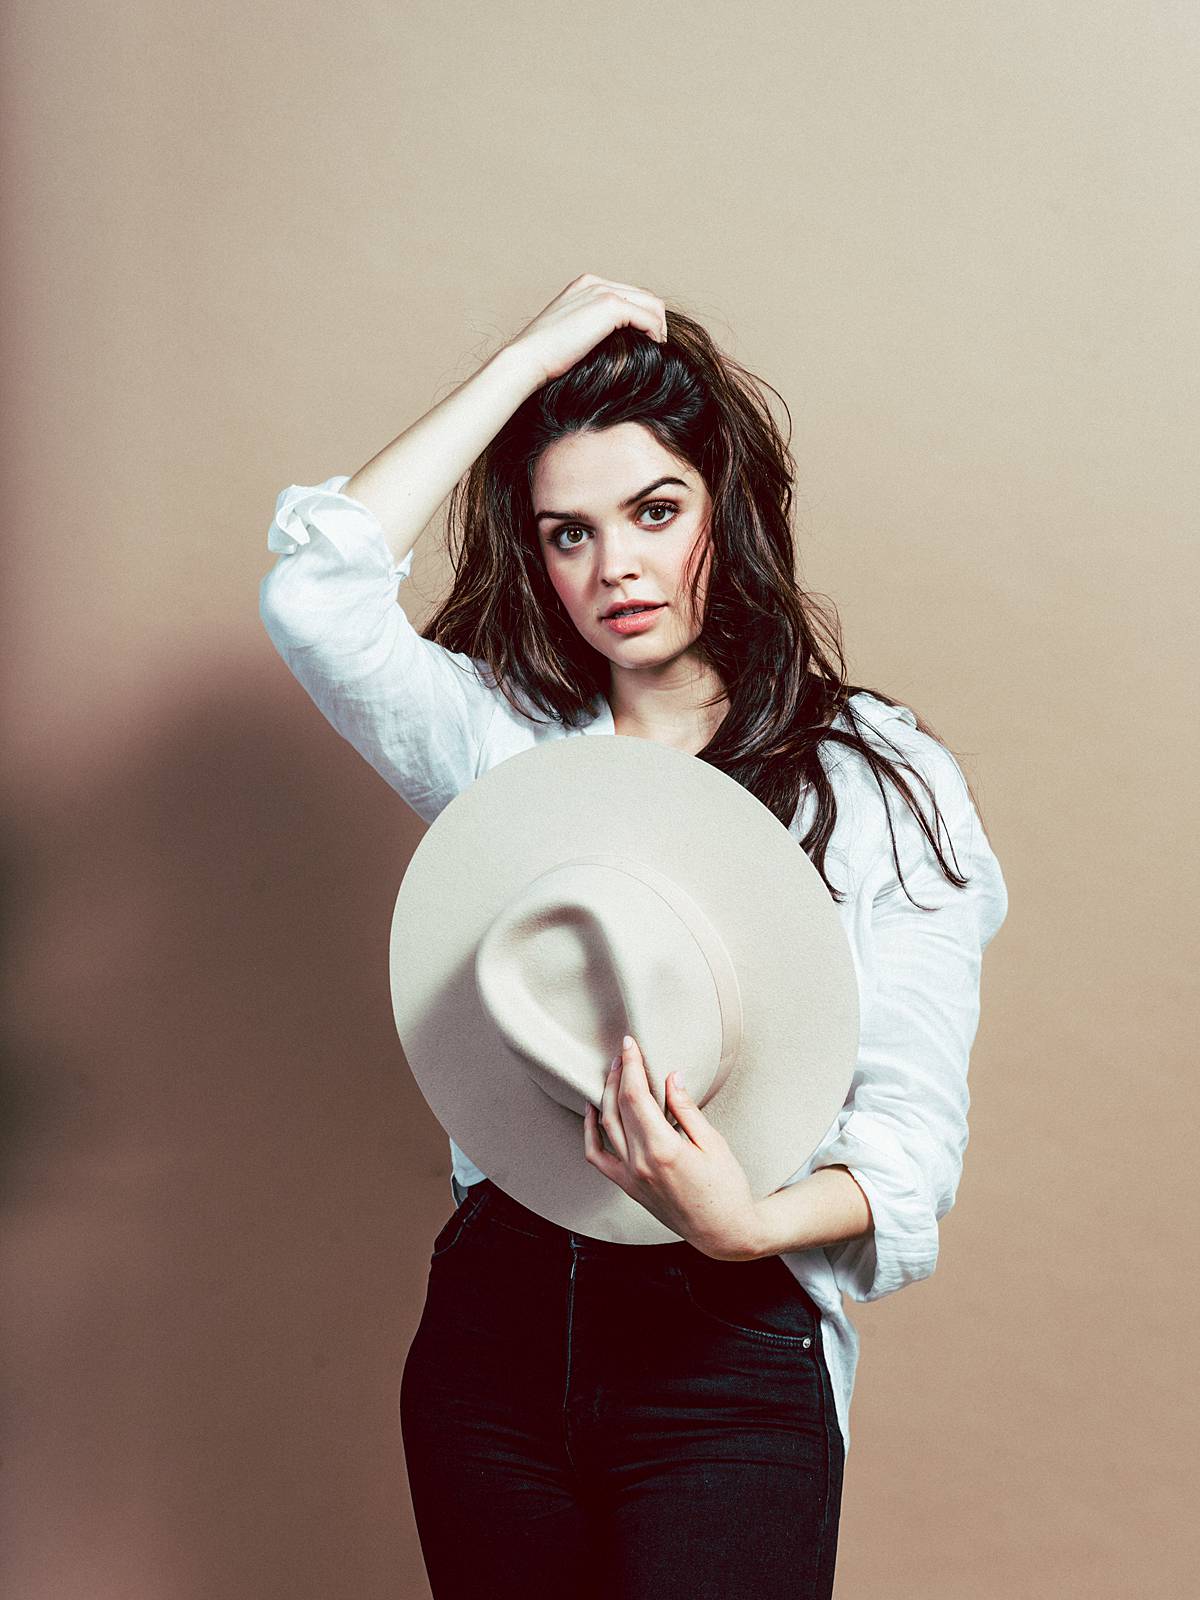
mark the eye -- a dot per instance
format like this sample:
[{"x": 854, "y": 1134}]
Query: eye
[
  {"x": 658, "y": 505},
  {"x": 575, "y": 527}
]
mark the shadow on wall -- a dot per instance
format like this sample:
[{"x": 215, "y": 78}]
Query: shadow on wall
[{"x": 220, "y": 1182}]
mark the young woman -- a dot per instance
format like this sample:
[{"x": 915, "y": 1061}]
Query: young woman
[{"x": 578, "y": 1418}]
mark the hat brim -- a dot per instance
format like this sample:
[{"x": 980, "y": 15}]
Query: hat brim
[{"x": 686, "y": 818}]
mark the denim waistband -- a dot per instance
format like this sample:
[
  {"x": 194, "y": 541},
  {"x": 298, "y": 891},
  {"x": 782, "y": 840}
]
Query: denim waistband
[{"x": 504, "y": 1208}]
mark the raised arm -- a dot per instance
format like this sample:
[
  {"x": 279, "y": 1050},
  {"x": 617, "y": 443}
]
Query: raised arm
[
  {"x": 406, "y": 482},
  {"x": 408, "y": 479},
  {"x": 419, "y": 713}
]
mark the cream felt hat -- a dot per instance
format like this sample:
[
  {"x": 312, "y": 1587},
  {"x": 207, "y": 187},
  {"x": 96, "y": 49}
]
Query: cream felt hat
[{"x": 588, "y": 888}]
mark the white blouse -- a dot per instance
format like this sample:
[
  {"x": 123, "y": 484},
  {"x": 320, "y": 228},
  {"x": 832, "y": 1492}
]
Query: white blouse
[{"x": 428, "y": 723}]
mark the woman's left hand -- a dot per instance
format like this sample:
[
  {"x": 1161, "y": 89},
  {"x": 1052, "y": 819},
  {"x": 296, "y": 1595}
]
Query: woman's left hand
[{"x": 687, "y": 1177}]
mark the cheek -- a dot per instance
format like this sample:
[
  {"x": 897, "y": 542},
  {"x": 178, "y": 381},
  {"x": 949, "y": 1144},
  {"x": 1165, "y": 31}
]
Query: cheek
[
  {"x": 564, "y": 588},
  {"x": 691, "y": 564},
  {"x": 688, "y": 560}
]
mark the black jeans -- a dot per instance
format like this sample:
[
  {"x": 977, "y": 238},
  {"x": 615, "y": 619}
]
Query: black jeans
[{"x": 638, "y": 1422}]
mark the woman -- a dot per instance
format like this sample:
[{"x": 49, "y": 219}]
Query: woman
[{"x": 577, "y": 1417}]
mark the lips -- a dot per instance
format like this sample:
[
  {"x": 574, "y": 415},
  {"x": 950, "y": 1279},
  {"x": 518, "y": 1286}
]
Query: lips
[
  {"x": 641, "y": 621},
  {"x": 632, "y": 608}
]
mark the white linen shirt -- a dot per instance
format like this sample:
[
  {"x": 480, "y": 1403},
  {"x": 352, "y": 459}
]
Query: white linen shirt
[{"x": 426, "y": 720}]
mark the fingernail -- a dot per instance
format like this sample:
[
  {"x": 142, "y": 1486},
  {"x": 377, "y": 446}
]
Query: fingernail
[{"x": 627, "y": 1041}]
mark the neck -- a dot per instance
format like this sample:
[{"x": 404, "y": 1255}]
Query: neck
[{"x": 667, "y": 703}]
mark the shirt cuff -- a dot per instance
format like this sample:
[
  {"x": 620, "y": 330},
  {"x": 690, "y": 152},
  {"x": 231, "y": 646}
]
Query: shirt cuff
[
  {"x": 347, "y": 523},
  {"x": 901, "y": 1246}
]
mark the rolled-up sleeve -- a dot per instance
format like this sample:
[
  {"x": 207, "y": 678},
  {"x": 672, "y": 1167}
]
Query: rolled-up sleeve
[
  {"x": 417, "y": 712},
  {"x": 902, "y": 1132}
]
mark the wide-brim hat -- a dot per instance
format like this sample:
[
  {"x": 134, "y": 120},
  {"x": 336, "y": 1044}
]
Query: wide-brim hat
[{"x": 588, "y": 888}]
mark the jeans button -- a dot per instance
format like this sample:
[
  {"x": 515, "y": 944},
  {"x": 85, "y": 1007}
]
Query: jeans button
[{"x": 807, "y": 1342}]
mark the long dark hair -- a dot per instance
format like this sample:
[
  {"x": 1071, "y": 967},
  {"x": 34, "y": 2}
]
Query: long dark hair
[{"x": 775, "y": 647}]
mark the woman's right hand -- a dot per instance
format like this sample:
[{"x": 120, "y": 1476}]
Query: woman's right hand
[{"x": 586, "y": 311}]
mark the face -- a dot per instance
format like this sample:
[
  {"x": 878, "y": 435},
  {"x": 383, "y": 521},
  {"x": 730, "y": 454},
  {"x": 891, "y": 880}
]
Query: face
[{"x": 612, "y": 531}]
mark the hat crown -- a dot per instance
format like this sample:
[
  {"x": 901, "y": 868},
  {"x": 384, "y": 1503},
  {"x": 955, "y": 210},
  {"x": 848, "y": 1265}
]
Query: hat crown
[
  {"x": 598, "y": 946},
  {"x": 784, "y": 1029}
]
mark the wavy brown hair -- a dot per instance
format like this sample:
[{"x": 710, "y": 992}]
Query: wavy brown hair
[{"x": 775, "y": 647}]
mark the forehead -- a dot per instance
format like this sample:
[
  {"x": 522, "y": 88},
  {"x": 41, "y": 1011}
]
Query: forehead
[{"x": 603, "y": 466}]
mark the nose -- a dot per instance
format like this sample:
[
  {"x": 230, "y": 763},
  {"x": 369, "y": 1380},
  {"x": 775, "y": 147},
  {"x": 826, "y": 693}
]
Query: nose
[{"x": 618, "y": 559}]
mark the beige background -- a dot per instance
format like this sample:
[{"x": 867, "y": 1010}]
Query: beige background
[{"x": 244, "y": 248}]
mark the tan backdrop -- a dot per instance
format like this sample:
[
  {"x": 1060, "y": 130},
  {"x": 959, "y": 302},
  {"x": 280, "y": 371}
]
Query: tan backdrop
[{"x": 244, "y": 247}]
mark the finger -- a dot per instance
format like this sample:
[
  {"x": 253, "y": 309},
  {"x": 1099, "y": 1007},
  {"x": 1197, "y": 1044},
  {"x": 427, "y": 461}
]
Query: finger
[
  {"x": 593, "y": 1149},
  {"x": 687, "y": 1113},
  {"x": 650, "y": 313},
  {"x": 635, "y": 1085},
  {"x": 652, "y": 302},
  {"x": 648, "y": 1135},
  {"x": 592, "y": 280},
  {"x": 610, "y": 1112},
  {"x": 630, "y": 311}
]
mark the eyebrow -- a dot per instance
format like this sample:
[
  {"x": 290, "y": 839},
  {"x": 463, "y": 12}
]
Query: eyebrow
[{"x": 564, "y": 516}]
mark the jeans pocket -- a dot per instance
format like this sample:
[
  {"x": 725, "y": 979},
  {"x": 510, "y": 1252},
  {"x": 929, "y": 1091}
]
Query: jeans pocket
[
  {"x": 759, "y": 1299},
  {"x": 459, "y": 1220}
]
